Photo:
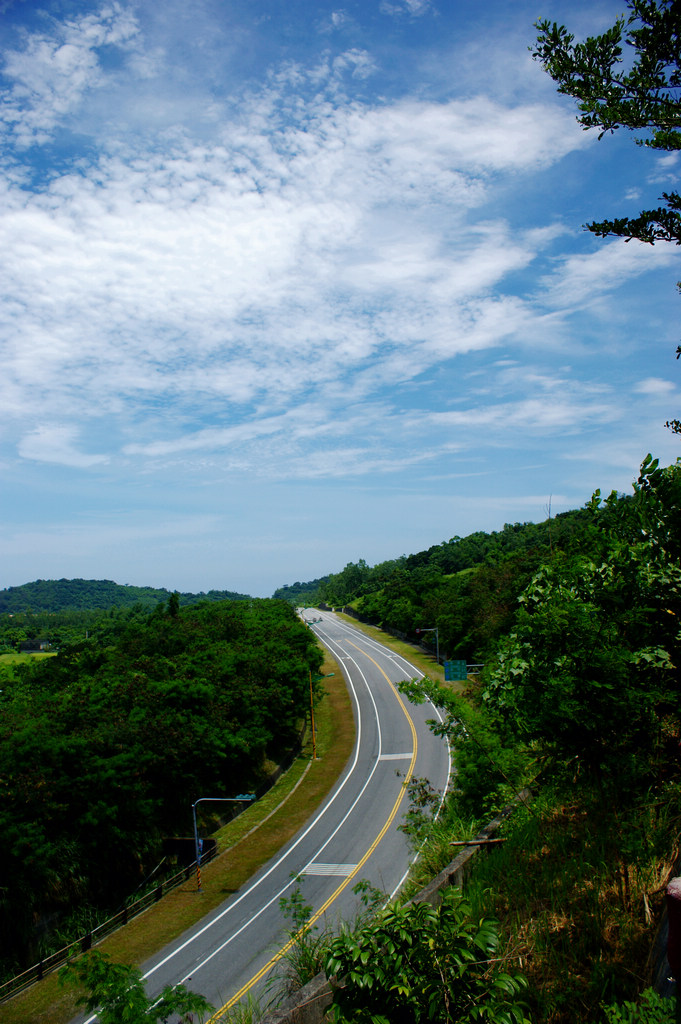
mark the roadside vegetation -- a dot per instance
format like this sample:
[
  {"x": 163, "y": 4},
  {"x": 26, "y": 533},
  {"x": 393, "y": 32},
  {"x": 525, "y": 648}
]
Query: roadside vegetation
[
  {"x": 244, "y": 845},
  {"x": 580, "y": 705}
]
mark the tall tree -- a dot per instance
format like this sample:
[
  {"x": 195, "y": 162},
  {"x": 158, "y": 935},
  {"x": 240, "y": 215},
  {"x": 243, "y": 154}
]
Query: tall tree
[{"x": 590, "y": 672}]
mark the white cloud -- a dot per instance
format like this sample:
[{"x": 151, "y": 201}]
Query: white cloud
[
  {"x": 583, "y": 278},
  {"x": 544, "y": 414},
  {"x": 239, "y": 272},
  {"x": 57, "y": 444},
  {"x": 359, "y": 62},
  {"x": 51, "y": 74},
  {"x": 414, "y": 8},
  {"x": 655, "y": 386},
  {"x": 615, "y": 458},
  {"x": 666, "y": 172}
]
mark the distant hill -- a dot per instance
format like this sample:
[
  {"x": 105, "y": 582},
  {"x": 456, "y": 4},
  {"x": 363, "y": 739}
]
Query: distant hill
[
  {"x": 67, "y": 595},
  {"x": 300, "y": 593}
]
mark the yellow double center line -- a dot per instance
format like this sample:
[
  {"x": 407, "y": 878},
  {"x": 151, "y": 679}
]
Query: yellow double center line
[{"x": 315, "y": 917}]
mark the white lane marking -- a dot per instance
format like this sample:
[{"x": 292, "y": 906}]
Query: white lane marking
[
  {"x": 417, "y": 672},
  {"x": 329, "y": 642},
  {"x": 290, "y": 883},
  {"x": 281, "y": 859},
  {"x": 385, "y": 651},
  {"x": 330, "y": 870},
  {"x": 396, "y": 757}
]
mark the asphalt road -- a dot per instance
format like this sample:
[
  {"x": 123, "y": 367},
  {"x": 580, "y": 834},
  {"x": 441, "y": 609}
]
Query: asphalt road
[{"x": 353, "y": 837}]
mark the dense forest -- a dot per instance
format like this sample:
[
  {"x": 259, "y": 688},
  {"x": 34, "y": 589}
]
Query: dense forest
[
  {"x": 54, "y": 612},
  {"x": 576, "y": 619},
  {"x": 580, "y": 700},
  {"x": 105, "y": 746},
  {"x": 72, "y": 595},
  {"x": 300, "y": 593}
]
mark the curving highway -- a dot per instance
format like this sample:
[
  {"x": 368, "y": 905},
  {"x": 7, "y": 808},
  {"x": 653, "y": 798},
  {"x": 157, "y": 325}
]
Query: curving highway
[{"x": 354, "y": 836}]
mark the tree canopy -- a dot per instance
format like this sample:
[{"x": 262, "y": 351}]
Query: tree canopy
[
  {"x": 587, "y": 675},
  {"x": 104, "y": 748}
]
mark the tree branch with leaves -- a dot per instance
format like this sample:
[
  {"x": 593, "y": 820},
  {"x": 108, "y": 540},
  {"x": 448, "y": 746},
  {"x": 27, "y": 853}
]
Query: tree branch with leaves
[
  {"x": 116, "y": 992},
  {"x": 613, "y": 93}
]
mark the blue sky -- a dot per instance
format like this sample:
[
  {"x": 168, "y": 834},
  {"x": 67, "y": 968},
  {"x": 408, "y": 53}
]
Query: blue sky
[{"x": 286, "y": 284}]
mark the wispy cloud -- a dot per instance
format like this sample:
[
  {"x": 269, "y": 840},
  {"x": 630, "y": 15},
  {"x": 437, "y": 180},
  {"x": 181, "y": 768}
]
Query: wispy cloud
[
  {"x": 414, "y": 8},
  {"x": 239, "y": 272},
  {"x": 57, "y": 444},
  {"x": 655, "y": 386}
]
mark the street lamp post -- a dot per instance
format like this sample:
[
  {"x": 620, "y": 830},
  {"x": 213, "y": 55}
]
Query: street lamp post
[
  {"x": 242, "y": 797},
  {"x": 436, "y": 630}
]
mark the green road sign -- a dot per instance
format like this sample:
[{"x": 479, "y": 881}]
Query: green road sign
[{"x": 455, "y": 671}]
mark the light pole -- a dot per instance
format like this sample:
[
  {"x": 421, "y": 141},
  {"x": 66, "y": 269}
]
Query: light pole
[
  {"x": 220, "y": 799},
  {"x": 433, "y": 629}
]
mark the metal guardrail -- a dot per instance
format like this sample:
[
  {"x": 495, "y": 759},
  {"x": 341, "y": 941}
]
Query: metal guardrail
[
  {"x": 54, "y": 960},
  {"x": 50, "y": 963}
]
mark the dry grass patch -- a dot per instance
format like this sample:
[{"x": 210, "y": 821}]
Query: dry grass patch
[{"x": 573, "y": 907}]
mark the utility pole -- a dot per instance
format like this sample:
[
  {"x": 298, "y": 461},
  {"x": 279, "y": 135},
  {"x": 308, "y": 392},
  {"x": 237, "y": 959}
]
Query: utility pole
[
  {"x": 314, "y": 734},
  {"x": 314, "y": 738}
]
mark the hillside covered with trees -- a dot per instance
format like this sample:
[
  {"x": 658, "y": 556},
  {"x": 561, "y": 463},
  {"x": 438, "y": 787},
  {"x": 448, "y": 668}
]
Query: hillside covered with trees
[
  {"x": 577, "y": 624},
  {"x": 56, "y": 612},
  {"x": 104, "y": 747},
  {"x": 78, "y": 595},
  {"x": 467, "y": 587},
  {"x": 578, "y": 706}
]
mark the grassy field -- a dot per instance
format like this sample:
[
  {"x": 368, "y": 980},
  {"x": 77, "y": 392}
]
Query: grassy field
[{"x": 13, "y": 658}]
